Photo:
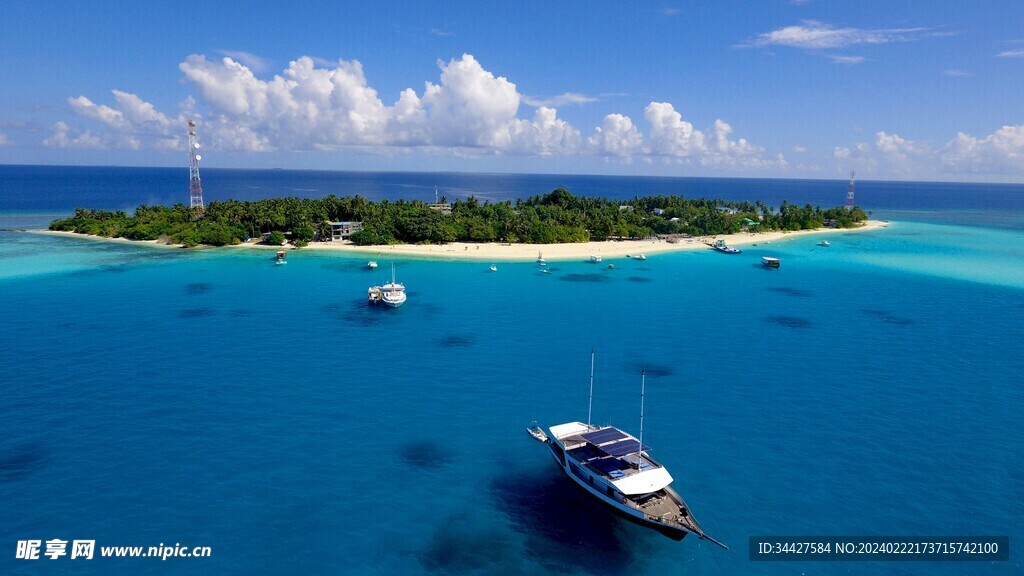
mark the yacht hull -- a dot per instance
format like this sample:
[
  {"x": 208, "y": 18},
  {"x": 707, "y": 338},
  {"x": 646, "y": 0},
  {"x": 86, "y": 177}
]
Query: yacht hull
[{"x": 631, "y": 514}]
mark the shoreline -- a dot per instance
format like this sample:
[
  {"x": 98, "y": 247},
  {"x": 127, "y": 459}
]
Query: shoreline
[{"x": 515, "y": 252}]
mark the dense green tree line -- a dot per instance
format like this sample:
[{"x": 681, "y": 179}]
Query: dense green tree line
[{"x": 557, "y": 217}]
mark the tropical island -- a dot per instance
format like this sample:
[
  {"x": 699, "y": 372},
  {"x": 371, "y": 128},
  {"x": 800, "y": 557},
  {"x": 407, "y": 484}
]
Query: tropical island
[{"x": 558, "y": 217}]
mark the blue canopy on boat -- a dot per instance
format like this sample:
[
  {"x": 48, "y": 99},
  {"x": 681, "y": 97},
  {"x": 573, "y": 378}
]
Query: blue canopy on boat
[
  {"x": 621, "y": 448},
  {"x": 603, "y": 436}
]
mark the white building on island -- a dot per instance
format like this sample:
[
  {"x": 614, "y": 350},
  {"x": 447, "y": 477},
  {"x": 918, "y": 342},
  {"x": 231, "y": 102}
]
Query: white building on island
[{"x": 344, "y": 230}]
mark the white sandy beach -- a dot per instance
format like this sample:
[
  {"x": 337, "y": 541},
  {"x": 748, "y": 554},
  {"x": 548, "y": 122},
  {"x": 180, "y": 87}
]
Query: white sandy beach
[{"x": 526, "y": 252}]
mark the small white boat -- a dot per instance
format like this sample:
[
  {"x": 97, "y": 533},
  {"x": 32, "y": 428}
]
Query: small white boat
[
  {"x": 770, "y": 262},
  {"x": 536, "y": 433},
  {"x": 640, "y": 257},
  {"x": 371, "y": 264},
  {"x": 545, "y": 271},
  {"x": 595, "y": 258},
  {"x": 494, "y": 268},
  {"x": 281, "y": 255},
  {"x": 540, "y": 259},
  {"x": 824, "y": 243}
]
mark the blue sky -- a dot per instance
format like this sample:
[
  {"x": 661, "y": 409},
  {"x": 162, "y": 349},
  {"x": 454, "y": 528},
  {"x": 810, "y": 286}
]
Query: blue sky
[{"x": 795, "y": 89}]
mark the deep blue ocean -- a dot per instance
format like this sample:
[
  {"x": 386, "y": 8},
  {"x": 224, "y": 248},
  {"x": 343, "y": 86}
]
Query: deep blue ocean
[{"x": 209, "y": 398}]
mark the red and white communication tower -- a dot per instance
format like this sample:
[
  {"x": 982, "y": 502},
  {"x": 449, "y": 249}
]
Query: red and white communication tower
[
  {"x": 849, "y": 192},
  {"x": 195, "y": 184}
]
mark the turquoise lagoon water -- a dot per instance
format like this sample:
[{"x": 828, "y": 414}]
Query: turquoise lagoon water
[{"x": 210, "y": 398}]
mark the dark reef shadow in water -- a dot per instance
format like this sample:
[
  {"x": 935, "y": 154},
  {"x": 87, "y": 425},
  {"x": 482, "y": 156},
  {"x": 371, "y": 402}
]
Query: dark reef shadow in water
[
  {"x": 555, "y": 516},
  {"x": 457, "y": 341},
  {"x": 428, "y": 309},
  {"x": 472, "y": 543},
  {"x": 789, "y": 321},
  {"x": 239, "y": 313},
  {"x": 888, "y": 318},
  {"x": 654, "y": 370},
  {"x": 198, "y": 288},
  {"x": 425, "y": 455},
  {"x": 638, "y": 279},
  {"x": 196, "y": 313},
  {"x": 20, "y": 461},
  {"x": 584, "y": 278},
  {"x": 360, "y": 313},
  {"x": 788, "y": 291}
]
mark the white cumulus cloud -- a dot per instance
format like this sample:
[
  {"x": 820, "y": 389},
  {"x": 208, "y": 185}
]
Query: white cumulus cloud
[
  {"x": 672, "y": 137},
  {"x": 1001, "y": 152},
  {"x": 997, "y": 156},
  {"x": 616, "y": 136},
  {"x": 319, "y": 105},
  {"x": 253, "y": 62},
  {"x": 63, "y": 137}
]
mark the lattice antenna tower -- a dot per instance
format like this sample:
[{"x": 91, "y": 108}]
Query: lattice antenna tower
[
  {"x": 849, "y": 192},
  {"x": 195, "y": 184}
]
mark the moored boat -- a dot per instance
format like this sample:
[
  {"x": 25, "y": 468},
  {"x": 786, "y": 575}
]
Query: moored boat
[
  {"x": 640, "y": 256},
  {"x": 372, "y": 264},
  {"x": 595, "y": 258},
  {"x": 393, "y": 293},
  {"x": 721, "y": 247},
  {"x": 770, "y": 262},
  {"x": 373, "y": 294},
  {"x": 614, "y": 467},
  {"x": 281, "y": 255},
  {"x": 536, "y": 433},
  {"x": 824, "y": 243},
  {"x": 540, "y": 259}
]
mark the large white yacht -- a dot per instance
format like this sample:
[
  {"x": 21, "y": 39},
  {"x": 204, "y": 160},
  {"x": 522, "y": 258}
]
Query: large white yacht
[{"x": 614, "y": 467}]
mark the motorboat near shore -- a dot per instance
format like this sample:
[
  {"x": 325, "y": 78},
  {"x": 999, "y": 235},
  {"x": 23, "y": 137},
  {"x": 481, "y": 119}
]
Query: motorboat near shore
[
  {"x": 281, "y": 258},
  {"x": 770, "y": 262},
  {"x": 721, "y": 247}
]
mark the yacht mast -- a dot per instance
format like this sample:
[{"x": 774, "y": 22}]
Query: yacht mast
[
  {"x": 590, "y": 404},
  {"x": 640, "y": 442}
]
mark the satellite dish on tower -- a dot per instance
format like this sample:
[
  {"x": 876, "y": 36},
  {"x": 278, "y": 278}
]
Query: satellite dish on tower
[
  {"x": 198, "y": 157},
  {"x": 196, "y": 145}
]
